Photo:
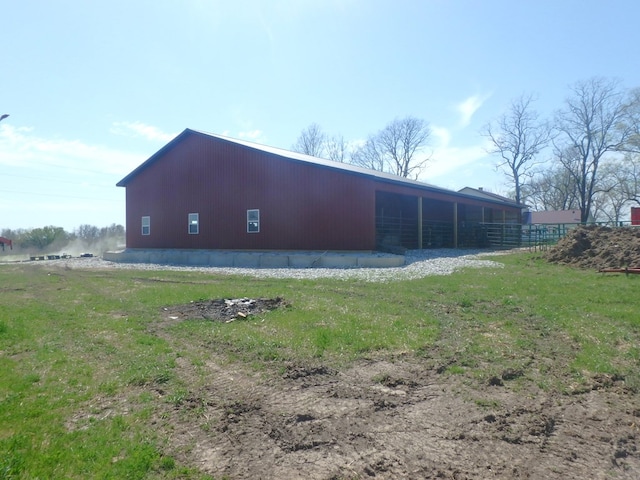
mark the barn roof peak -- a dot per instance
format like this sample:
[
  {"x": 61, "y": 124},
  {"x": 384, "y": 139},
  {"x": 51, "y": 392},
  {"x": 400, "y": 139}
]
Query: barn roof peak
[
  {"x": 299, "y": 157},
  {"x": 281, "y": 152},
  {"x": 291, "y": 155}
]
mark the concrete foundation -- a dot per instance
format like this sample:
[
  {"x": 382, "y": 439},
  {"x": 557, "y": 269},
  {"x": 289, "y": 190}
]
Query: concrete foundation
[{"x": 245, "y": 259}]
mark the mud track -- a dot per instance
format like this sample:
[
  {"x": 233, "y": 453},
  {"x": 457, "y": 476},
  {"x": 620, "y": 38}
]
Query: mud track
[
  {"x": 395, "y": 419},
  {"x": 387, "y": 418}
]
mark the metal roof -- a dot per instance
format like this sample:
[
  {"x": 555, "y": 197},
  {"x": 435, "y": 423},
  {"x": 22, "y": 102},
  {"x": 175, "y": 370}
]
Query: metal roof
[
  {"x": 301, "y": 157},
  {"x": 318, "y": 161},
  {"x": 480, "y": 192}
]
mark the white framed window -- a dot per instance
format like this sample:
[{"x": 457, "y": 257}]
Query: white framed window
[
  {"x": 253, "y": 221},
  {"x": 146, "y": 225},
  {"x": 194, "y": 222}
]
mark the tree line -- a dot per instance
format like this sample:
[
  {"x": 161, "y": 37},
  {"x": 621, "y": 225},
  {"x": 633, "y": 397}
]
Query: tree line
[
  {"x": 398, "y": 148},
  {"x": 56, "y": 238},
  {"x": 586, "y": 156}
]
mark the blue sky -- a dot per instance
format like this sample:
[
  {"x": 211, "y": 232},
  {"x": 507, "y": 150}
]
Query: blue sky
[{"x": 95, "y": 88}]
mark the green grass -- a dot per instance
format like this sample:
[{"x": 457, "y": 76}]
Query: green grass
[{"x": 71, "y": 338}]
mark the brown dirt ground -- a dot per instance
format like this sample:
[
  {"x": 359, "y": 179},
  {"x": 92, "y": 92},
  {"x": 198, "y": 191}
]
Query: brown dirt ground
[
  {"x": 389, "y": 418},
  {"x": 598, "y": 247},
  {"x": 386, "y": 418}
]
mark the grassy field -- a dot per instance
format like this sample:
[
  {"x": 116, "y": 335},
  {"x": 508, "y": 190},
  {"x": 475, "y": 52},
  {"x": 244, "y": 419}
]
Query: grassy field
[{"x": 68, "y": 337}]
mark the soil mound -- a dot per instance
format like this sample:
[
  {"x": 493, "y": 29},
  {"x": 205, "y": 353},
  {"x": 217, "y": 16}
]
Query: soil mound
[
  {"x": 224, "y": 309},
  {"x": 592, "y": 246}
]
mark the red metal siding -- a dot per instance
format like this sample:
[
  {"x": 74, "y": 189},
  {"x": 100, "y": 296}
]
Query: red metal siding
[{"x": 302, "y": 206}]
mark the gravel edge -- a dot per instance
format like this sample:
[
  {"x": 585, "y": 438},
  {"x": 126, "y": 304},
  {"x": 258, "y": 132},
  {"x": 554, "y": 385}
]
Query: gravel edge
[{"x": 419, "y": 264}]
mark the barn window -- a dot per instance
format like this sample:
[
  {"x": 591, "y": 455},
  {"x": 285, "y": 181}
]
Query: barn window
[
  {"x": 193, "y": 224},
  {"x": 146, "y": 225},
  {"x": 253, "y": 221}
]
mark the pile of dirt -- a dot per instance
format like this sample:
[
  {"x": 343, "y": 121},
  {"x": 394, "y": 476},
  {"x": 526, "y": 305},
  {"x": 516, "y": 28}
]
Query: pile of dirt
[
  {"x": 598, "y": 247},
  {"x": 224, "y": 309}
]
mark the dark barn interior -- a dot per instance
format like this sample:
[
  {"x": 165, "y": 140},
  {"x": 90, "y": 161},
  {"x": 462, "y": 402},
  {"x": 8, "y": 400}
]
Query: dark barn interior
[{"x": 416, "y": 222}]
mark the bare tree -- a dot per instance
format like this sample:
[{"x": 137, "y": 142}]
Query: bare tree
[
  {"x": 400, "y": 143},
  {"x": 610, "y": 200},
  {"x": 619, "y": 189},
  {"x": 634, "y": 113},
  {"x": 369, "y": 155},
  {"x": 112, "y": 231},
  {"x": 337, "y": 148},
  {"x": 311, "y": 141},
  {"x": 630, "y": 173},
  {"x": 396, "y": 149},
  {"x": 551, "y": 189},
  {"x": 87, "y": 233},
  {"x": 598, "y": 119},
  {"x": 518, "y": 137}
]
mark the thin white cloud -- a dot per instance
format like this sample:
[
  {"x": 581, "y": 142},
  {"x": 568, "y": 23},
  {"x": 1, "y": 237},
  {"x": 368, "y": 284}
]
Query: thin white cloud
[
  {"x": 252, "y": 135},
  {"x": 353, "y": 145},
  {"x": 21, "y": 147},
  {"x": 455, "y": 167},
  {"x": 442, "y": 135},
  {"x": 257, "y": 135},
  {"x": 469, "y": 107},
  {"x": 139, "y": 129},
  {"x": 58, "y": 181},
  {"x": 449, "y": 160}
]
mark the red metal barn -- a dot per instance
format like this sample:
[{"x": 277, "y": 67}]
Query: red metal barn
[{"x": 204, "y": 191}]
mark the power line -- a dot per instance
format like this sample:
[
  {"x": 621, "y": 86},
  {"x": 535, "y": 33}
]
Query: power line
[
  {"x": 58, "y": 195},
  {"x": 57, "y": 180}
]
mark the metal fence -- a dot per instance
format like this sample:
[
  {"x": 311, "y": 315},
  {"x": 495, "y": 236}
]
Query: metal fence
[
  {"x": 543, "y": 235},
  {"x": 538, "y": 236},
  {"x": 506, "y": 236},
  {"x": 437, "y": 235},
  {"x": 396, "y": 233}
]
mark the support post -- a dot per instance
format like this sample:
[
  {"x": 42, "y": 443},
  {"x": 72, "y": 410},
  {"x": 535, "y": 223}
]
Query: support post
[
  {"x": 455, "y": 224},
  {"x": 420, "y": 223}
]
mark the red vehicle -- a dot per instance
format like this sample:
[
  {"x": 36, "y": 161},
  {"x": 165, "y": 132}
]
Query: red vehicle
[{"x": 5, "y": 241}]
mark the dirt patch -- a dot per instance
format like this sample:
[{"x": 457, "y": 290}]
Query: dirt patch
[
  {"x": 598, "y": 247},
  {"x": 390, "y": 418},
  {"x": 387, "y": 420},
  {"x": 223, "y": 309}
]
